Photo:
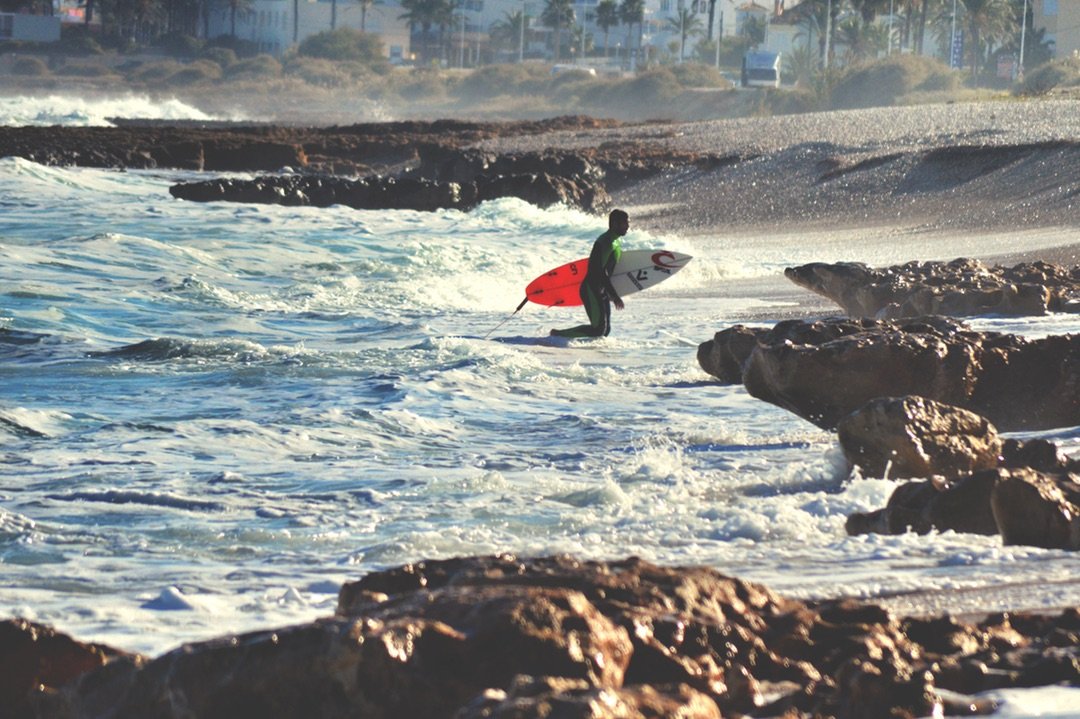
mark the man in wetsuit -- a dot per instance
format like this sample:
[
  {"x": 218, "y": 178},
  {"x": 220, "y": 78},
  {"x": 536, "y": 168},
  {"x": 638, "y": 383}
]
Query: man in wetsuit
[{"x": 596, "y": 291}]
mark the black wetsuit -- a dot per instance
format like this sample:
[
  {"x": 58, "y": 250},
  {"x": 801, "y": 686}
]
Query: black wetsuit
[{"x": 596, "y": 291}]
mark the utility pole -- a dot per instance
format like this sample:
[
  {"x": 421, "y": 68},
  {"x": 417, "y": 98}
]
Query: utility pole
[
  {"x": 828, "y": 31},
  {"x": 889, "y": 51},
  {"x": 1023, "y": 30},
  {"x": 521, "y": 40},
  {"x": 719, "y": 37}
]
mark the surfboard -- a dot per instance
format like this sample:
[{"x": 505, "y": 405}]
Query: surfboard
[{"x": 636, "y": 270}]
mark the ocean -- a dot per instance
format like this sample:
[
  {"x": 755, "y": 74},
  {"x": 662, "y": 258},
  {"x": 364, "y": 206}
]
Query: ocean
[{"x": 212, "y": 415}]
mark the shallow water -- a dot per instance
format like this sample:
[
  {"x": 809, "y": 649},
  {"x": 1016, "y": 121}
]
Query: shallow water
[{"x": 214, "y": 414}]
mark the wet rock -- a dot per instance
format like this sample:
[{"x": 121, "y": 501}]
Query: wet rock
[
  {"x": 35, "y": 658},
  {"x": 390, "y": 193},
  {"x": 554, "y": 636},
  {"x": 962, "y": 505},
  {"x": 824, "y": 371},
  {"x": 904, "y": 437},
  {"x": 963, "y": 287},
  {"x": 726, "y": 354},
  {"x": 1037, "y": 509},
  {"x": 530, "y": 698}
]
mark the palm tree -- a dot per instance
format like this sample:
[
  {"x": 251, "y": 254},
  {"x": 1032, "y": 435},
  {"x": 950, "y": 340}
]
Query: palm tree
[
  {"x": 863, "y": 39},
  {"x": 556, "y": 14},
  {"x": 607, "y": 17},
  {"x": 365, "y": 5},
  {"x": 509, "y": 31},
  {"x": 426, "y": 14},
  {"x": 686, "y": 23},
  {"x": 987, "y": 20},
  {"x": 633, "y": 11}
]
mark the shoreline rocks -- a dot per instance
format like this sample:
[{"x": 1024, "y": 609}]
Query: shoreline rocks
[
  {"x": 961, "y": 288},
  {"x": 823, "y": 370},
  {"x": 388, "y": 193},
  {"x": 974, "y": 481},
  {"x": 502, "y": 636}
]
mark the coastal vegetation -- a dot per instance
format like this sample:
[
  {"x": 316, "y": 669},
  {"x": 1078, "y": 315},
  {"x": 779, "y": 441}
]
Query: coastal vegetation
[{"x": 349, "y": 69}]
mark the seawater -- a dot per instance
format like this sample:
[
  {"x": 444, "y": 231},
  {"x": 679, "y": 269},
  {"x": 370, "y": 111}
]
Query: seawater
[{"x": 212, "y": 415}]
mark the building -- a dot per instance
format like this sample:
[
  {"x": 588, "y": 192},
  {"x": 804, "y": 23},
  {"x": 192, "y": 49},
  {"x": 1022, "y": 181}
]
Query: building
[
  {"x": 1061, "y": 21},
  {"x": 275, "y": 25},
  {"x": 30, "y": 28}
]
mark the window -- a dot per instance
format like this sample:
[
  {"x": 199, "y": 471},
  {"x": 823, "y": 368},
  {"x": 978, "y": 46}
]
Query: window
[
  {"x": 1050, "y": 7},
  {"x": 7, "y": 23}
]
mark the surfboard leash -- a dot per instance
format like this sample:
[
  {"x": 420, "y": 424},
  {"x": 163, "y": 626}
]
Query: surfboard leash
[{"x": 523, "y": 302}]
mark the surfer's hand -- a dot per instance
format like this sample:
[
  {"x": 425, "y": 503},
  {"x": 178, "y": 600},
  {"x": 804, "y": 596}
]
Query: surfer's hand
[{"x": 618, "y": 303}]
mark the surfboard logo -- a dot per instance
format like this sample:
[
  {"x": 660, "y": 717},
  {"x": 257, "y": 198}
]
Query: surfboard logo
[{"x": 661, "y": 260}]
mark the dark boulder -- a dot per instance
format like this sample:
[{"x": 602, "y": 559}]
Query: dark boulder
[{"x": 1037, "y": 509}]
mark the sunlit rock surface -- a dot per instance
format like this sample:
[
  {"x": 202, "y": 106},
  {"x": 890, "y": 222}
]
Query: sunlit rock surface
[
  {"x": 824, "y": 370},
  {"x": 500, "y": 636},
  {"x": 961, "y": 288}
]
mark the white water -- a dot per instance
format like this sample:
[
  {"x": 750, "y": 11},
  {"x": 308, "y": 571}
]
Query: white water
[
  {"x": 214, "y": 414},
  {"x": 72, "y": 111}
]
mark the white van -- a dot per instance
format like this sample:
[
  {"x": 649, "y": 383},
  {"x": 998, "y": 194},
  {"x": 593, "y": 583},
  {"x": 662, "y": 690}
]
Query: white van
[{"x": 761, "y": 68}]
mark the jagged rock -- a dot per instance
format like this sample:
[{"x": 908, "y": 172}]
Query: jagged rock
[
  {"x": 726, "y": 354},
  {"x": 530, "y": 698},
  {"x": 962, "y": 505},
  {"x": 1040, "y": 510},
  {"x": 903, "y": 437},
  {"x": 963, "y": 287},
  {"x": 824, "y": 371},
  {"x": 390, "y": 193},
  {"x": 507, "y": 637},
  {"x": 35, "y": 658}
]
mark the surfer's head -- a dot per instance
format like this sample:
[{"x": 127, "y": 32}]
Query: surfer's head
[{"x": 619, "y": 221}]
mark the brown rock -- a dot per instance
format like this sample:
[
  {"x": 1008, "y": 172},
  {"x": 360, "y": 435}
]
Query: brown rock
[
  {"x": 1014, "y": 382},
  {"x": 34, "y": 657},
  {"x": 963, "y": 287},
  {"x": 550, "y": 697},
  {"x": 962, "y": 505},
  {"x": 1037, "y": 509},
  {"x": 903, "y": 437}
]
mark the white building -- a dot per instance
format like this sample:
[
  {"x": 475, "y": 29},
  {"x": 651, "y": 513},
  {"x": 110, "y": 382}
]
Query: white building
[
  {"x": 276, "y": 25},
  {"x": 32, "y": 28}
]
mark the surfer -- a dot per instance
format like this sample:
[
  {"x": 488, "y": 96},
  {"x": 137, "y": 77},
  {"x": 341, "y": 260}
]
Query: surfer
[{"x": 597, "y": 293}]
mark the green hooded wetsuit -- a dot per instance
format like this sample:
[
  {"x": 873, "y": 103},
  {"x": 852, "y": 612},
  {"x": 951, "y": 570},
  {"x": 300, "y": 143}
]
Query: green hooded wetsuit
[{"x": 596, "y": 291}]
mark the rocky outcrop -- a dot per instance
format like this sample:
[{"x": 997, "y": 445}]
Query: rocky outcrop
[
  {"x": 904, "y": 437},
  {"x": 824, "y": 370},
  {"x": 977, "y": 482},
  {"x": 1037, "y": 509},
  {"x": 35, "y": 658},
  {"x": 500, "y": 636},
  {"x": 388, "y": 193},
  {"x": 960, "y": 288},
  {"x": 961, "y": 505}
]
